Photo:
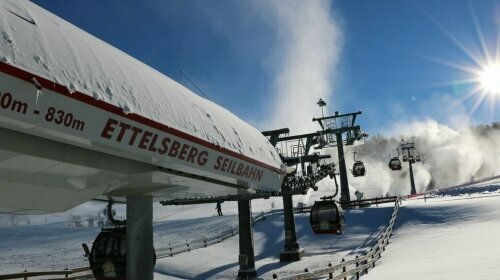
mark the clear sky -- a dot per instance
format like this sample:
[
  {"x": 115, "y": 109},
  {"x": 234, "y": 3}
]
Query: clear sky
[{"x": 270, "y": 61}]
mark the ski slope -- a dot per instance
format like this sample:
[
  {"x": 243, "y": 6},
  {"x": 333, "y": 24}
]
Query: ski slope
[
  {"x": 445, "y": 237},
  {"x": 220, "y": 261},
  {"x": 39, "y": 247}
]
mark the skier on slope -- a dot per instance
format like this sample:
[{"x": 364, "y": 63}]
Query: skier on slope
[{"x": 218, "y": 207}]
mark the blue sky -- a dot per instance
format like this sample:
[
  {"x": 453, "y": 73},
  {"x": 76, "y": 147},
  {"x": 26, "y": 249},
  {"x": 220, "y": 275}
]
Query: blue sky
[{"x": 395, "y": 60}]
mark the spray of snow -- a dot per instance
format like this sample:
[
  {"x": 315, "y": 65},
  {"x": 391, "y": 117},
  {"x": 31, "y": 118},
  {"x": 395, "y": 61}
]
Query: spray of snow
[
  {"x": 451, "y": 156},
  {"x": 309, "y": 48}
]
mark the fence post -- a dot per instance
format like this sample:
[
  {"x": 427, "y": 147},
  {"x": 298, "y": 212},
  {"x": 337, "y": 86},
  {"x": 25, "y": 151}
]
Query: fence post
[
  {"x": 170, "y": 248},
  {"x": 66, "y": 274},
  {"x": 344, "y": 268},
  {"x": 205, "y": 241},
  {"x": 187, "y": 244},
  {"x": 357, "y": 265},
  {"x": 366, "y": 262},
  {"x": 330, "y": 275}
]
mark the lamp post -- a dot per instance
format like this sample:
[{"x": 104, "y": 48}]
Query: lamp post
[{"x": 321, "y": 104}]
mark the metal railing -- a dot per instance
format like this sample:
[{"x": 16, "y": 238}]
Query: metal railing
[
  {"x": 354, "y": 267},
  {"x": 161, "y": 252},
  {"x": 444, "y": 190},
  {"x": 368, "y": 202},
  {"x": 67, "y": 274},
  {"x": 361, "y": 263},
  {"x": 201, "y": 242}
]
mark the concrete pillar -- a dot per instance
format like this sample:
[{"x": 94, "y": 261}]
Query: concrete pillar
[
  {"x": 246, "y": 258},
  {"x": 344, "y": 184},
  {"x": 140, "y": 255},
  {"x": 291, "y": 251}
]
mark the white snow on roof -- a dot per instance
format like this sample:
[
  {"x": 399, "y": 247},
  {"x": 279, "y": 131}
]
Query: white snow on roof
[{"x": 37, "y": 41}]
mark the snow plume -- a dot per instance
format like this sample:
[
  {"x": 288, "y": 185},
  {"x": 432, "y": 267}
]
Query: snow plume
[
  {"x": 309, "y": 49},
  {"x": 450, "y": 157}
]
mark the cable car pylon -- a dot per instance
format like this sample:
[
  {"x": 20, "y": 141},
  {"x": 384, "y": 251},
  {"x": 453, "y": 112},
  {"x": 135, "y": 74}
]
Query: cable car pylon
[
  {"x": 333, "y": 128},
  {"x": 410, "y": 157}
]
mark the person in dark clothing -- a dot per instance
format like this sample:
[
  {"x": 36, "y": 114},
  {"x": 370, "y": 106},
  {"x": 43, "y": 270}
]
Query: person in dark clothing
[{"x": 219, "y": 208}]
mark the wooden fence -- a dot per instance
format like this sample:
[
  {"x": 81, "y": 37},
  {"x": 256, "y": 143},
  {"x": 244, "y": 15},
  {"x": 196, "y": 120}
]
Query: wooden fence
[
  {"x": 161, "y": 252},
  {"x": 354, "y": 267},
  {"x": 173, "y": 249},
  {"x": 67, "y": 274},
  {"x": 361, "y": 263}
]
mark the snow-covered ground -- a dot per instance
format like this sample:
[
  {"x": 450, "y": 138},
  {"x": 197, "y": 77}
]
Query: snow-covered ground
[
  {"x": 40, "y": 247},
  {"x": 220, "y": 261},
  {"x": 446, "y": 237}
]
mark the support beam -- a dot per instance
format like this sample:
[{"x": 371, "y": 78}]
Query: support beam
[
  {"x": 291, "y": 252},
  {"x": 344, "y": 184},
  {"x": 140, "y": 255},
  {"x": 246, "y": 257},
  {"x": 412, "y": 180}
]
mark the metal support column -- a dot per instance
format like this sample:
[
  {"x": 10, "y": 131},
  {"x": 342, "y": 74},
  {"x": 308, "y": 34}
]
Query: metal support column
[
  {"x": 412, "y": 180},
  {"x": 291, "y": 252},
  {"x": 344, "y": 184},
  {"x": 140, "y": 255},
  {"x": 246, "y": 257}
]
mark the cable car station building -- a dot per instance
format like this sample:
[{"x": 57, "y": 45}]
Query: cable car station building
[{"x": 81, "y": 120}]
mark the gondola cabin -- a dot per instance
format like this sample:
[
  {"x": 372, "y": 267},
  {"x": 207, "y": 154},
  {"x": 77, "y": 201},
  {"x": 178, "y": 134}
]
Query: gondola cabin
[
  {"x": 395, "y": 164},
  {"x": 108, "y": 257},
  {"x": 327, "y": 217},
  {"x": 358, "y": 169}
]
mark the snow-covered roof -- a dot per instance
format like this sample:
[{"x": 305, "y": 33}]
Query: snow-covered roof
[{"x": 49, "y": 47}]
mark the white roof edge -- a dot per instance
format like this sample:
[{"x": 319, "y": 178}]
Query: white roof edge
[{"x": 58, "y": 51}]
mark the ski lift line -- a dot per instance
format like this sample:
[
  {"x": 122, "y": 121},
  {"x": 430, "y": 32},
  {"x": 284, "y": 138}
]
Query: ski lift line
[
  {"x": 343, "y": 156},
  {"x": 336, "y": 163},
  {"x": 195, "y": 86}
]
